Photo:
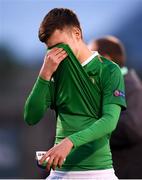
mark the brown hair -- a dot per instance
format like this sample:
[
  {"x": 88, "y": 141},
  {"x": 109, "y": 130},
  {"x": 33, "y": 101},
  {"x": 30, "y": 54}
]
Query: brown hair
[
  {"x": 112, "y": 47},
  {"x": 57, "y": 18}
]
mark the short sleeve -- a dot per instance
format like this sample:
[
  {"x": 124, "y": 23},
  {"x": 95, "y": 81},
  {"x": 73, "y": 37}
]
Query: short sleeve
[{"x": 113, "y": 90}]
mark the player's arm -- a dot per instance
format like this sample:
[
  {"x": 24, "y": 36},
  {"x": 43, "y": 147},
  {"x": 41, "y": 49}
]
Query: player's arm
[
  {"x": 38, "y": 101},
  {"x": 42, "y": 94},
  {"x": 105, "y": 125},
  {"x": 112, "y": 81}
]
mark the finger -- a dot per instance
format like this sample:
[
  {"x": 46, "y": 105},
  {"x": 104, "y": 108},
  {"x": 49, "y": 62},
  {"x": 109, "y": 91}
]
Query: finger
[
  {"x": 50, "y": 51},
  {"x": 55, "y": 51},
  {"x": 63, "y": 56},
  {"x": 45, "y": 162},
  {"x": 49, "y": 163},
  {"x": 59, "y": 57},
  {"x": 59, "y": 52},
  {"x": 45, "y": 156},
  {"x": 56, "y": 56},
  {"x": 55, "y": 162},
  {"x": 60, "y": 162}
]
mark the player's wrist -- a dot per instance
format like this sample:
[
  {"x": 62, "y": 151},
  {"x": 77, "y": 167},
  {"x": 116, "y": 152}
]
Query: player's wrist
[
  {"x": 45, "y": 75},
  {"x": 69, "y": 142}
]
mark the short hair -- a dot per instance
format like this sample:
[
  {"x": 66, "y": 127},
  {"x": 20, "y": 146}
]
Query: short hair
[
  {"x": 57, "y": 18},
  {"x": 112, "y": 47}
]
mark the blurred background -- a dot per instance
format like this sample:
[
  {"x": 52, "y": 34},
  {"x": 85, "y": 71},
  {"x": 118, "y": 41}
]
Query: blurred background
[{"x": 21, "y": 57}]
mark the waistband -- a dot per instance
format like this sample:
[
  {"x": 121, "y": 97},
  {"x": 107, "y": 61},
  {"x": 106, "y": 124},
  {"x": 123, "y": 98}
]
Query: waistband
[{"x": 93, "y": 172}]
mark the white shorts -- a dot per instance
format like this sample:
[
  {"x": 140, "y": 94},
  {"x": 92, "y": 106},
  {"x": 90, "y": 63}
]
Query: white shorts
[{"x": 107, "y": 174}]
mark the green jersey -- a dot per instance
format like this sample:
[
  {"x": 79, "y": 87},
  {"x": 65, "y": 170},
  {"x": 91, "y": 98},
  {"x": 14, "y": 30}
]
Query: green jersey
[{"x": 79, "y": 93}]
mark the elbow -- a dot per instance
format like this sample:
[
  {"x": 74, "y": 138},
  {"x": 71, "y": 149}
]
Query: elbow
[
  {"x": 33, "y": 113},
  {"x": 27, "y": 119},
  {"x": 113, "y": 128},
  {"x": 30, "y": 116},
  {"x": 113, "y": 125},
  {"x": 30, "y": 120}
]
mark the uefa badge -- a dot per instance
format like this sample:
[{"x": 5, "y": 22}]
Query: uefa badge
[
  {"x": 119, "y": 93},
  {"x": 116, "y": 93}
]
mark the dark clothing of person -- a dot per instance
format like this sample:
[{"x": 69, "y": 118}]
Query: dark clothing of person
[{"x": 126, "y": 140}]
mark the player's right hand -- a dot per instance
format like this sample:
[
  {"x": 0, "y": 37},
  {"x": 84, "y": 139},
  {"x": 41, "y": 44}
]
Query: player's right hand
[{"x": 51, "y": 61}]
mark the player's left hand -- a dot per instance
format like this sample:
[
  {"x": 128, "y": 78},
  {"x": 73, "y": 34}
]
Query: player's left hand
[{"x": 57, "y": 154}]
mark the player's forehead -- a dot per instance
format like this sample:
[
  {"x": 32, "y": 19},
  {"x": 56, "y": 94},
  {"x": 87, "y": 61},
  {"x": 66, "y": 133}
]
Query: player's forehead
[{"x": 58, "y": 36}]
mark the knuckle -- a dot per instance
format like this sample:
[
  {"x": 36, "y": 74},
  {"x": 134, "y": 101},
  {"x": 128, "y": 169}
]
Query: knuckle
[
  {"x": 48, "y": 57},
  {"x": 62, "y": 157},
  {"x": 56, "y": 155}
]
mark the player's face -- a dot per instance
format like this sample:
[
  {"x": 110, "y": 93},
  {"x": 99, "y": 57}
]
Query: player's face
[{"x": 72, "y": 37}]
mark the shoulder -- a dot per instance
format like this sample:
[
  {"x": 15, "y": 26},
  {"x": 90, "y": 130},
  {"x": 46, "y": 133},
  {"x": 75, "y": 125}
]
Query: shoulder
[
  {"x": 107, "y": 67},
  {"x": 103, "y": 67}
]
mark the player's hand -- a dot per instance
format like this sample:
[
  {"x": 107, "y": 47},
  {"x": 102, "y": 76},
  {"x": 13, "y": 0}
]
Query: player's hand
[
  {"x": 57, "y": 154},
  {"x": 51, "y": 61}
]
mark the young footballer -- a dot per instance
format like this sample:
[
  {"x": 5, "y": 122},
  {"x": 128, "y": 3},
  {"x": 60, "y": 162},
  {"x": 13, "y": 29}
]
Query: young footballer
[{"x": 87, "y": 93}]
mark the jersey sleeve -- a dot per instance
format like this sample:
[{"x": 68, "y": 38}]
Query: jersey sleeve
[
  {"x": 112, "y": 83},
  {"x": 39, "y": 100},
  {"x": 103, "y": 126}
]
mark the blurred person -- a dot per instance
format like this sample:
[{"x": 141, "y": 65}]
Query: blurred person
[
  {"x": 126, "y": 140},
  {"x": 81, "y": 147}
]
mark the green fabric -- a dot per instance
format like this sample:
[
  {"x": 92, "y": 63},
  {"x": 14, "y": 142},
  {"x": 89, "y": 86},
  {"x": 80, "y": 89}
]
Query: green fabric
[
  {"x": 40, "y": 98},
  {"x": 105, "y": 125},
  {"x": 83, "y": 98},
  {"x": 92, "y": 150}
]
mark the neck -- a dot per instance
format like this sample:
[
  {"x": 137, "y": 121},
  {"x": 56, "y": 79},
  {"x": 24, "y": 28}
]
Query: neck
[{"x": 84, "y": 53}]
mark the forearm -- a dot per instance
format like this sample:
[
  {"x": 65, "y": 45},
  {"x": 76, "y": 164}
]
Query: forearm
[
  {"x": 38, "y": 101},
  {"x": 105, "y": 125}
]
